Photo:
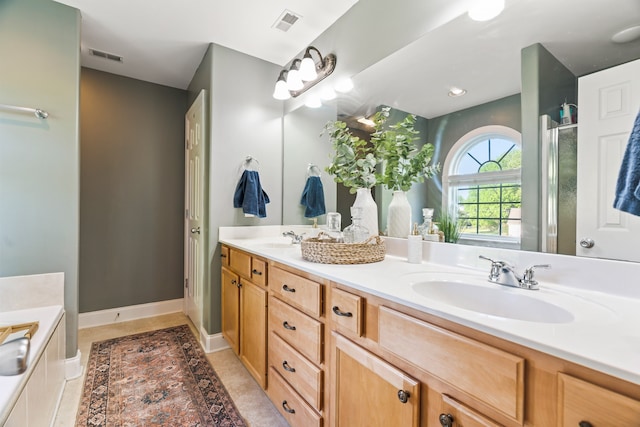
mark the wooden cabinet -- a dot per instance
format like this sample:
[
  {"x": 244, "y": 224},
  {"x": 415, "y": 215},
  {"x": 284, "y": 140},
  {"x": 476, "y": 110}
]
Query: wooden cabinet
[
  {"x": 296, "y": 347},
  {"x": 371, "y": 392},
  {"x": 583, "y": 404},
  {"x": 244, "y": 311},
  {"x": 454, "y": 413}
]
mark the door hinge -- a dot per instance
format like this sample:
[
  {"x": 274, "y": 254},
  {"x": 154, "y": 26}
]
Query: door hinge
[
  {"x": 186, "y": 283},
  {"x": 186, "y": 213}
]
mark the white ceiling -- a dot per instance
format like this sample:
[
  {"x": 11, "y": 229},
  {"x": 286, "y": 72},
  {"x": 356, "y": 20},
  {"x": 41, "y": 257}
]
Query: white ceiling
[
  {"x": 163, "y": 41},
  {"x": 484, "y": 57}
]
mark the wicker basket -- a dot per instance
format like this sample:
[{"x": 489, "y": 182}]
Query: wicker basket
[{"x": 325, "y": 250}]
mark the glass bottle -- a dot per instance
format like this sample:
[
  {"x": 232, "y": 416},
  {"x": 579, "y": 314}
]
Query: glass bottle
[
  {"x": 426, "y": 228},
  {"x": 356, "y": 232}
]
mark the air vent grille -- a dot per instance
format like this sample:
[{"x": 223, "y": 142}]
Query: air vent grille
[
  {"x": 286, "y": 20},
  {"x": 105, "y": 55}
]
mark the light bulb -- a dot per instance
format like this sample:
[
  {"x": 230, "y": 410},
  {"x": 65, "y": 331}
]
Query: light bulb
[
  {"x": 308, "y": 69},
  {"x": 281, "y": 92},
  {"x": 344, "y": 85},
  {"x": 294, "y": 82}
]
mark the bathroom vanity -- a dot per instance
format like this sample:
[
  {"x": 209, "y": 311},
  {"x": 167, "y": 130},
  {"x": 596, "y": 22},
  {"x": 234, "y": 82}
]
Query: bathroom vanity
[{"x": 435, "y": 344}]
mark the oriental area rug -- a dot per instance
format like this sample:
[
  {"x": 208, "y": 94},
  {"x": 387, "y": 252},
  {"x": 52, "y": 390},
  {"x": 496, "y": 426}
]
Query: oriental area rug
[{"x": 157, "y": 378}]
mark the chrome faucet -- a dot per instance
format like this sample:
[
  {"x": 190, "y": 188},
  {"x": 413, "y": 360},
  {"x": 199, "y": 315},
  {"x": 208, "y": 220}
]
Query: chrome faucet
[
  {"x": 295, "y": 238},
  {"x": 503, "y": 273}
]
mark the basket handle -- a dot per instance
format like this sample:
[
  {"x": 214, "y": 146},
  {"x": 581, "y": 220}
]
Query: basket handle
[{"x": 378, "y": 239}]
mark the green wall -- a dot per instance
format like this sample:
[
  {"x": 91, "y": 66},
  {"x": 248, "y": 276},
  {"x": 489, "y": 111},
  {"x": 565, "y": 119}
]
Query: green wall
[
  {"x": 131, "y": 192},
  {"x": 39, "y": 160}
]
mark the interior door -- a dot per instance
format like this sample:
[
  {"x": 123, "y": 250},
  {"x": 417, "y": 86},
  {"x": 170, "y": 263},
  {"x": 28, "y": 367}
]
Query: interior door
[
  {"x": 608, "y": 104},
  {"x": 194, "y": 252}
]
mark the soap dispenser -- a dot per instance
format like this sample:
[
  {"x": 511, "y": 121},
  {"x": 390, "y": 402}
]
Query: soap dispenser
[{"x": 414, "y": 246}]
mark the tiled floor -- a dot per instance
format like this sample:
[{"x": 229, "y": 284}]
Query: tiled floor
[{"x": 250, "y": 399}]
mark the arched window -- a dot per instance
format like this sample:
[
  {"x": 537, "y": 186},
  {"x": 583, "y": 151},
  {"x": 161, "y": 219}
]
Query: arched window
[{"x": 482, "y": 185}]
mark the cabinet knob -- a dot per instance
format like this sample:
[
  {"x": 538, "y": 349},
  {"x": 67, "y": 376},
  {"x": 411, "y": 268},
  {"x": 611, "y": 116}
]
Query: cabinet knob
[
  {"x": 446, "y": 420},
  {"x": 337, "y": 311},
  {"x": 403, "y": 396},
  {"x": 223, "y": 255},
  {"x": 584, "y": 424},
  {"x": 286, "y": 407},
  {"x": 288, "y": 289},
  {"x": 234, "y": 282},
  {"x": 256, "y": 272}
]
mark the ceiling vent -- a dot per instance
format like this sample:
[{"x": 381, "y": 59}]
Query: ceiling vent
[
  {"x": 105, "y": 55},
  {"x": 286, "y": 20}
]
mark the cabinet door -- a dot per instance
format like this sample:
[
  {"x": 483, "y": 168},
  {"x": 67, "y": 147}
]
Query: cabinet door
[
  {"x": 253, "y": 330},
  {"x": 584, "y": 404},
  {"x": 455, "y": 414},
  {"x": 231, "y": 309},
  {"x": 370, "y": 392}
]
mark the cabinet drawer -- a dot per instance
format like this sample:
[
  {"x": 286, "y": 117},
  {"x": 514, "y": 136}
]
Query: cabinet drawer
[
  {"x": 304, "y": 376},
  {"x": 579, "y": 401},
  {"x": 258, "y": 272},
  {"x": 240, "y": 262},
  {"x": 224, "y": 256},
  {"x": 299, "y": 330},
  {"x": 346, "y": 311},
  {"x": 461, "y": 415},
  {"x": 298, "y": 291},
  {"x": 485, "y": 373},
  {"x": 292, "y": 407}
]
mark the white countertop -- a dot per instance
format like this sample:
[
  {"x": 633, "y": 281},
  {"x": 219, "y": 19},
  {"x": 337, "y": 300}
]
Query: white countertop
[
  {"x": 602, "y": 332},
  {"x": 49, "y": 317}
]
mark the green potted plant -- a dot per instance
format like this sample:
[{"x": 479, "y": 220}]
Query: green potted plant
[
  {"x": 449, "y": 225},
  {"x": 353, "y": 164},
  {"x": 404, "y": 163}
]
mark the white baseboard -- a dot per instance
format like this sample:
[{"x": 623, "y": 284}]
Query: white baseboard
[
  {"x": 212, "y": 343},
  {"x": 132, "y": 312},
  {"x": 73, "y": 367}
]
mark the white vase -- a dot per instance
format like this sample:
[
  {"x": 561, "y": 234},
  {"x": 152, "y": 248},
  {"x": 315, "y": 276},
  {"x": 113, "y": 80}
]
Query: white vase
[
  {"x": 369, "y": 207},
  {"x": 399, "y": 215}
]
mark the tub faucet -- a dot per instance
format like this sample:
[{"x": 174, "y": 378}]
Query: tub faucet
[
  {"x": 504, "y": 273},
  {"x": 295, "y": 238}
]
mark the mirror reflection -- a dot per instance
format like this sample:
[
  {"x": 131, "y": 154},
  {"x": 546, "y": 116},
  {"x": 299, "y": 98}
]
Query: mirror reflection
[{"x": 517, "y": 69}]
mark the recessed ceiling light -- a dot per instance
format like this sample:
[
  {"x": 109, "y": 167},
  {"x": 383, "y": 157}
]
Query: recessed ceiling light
[
  {"x": 484, "y": 10},
  {"x": 627, "y": 35},
  {"x": 456, "y": 91}
]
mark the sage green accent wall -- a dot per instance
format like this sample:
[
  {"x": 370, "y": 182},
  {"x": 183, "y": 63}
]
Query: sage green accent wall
[
  {"x": 546, "y": 84},
  {"x": 39, "y": 159},
  {"x": 244, "y": 120},
  {"x": 131, "y": 192}
]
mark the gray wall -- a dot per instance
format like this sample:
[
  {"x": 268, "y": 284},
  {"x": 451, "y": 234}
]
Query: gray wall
[
  {"x": 39, "y": 160},
  {"x": 131, "y": 191},
  {"x": 445, "y": 131},
  {"x": 546, "y": 84},
  {"x": 244, "y": 120}
]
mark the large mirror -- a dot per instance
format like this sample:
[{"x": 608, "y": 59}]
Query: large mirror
[{"x": 533, "y": 53}]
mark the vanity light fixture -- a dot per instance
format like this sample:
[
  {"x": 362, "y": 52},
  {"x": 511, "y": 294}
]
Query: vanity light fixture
[
  {"x": 484, "y": 10},
  {"x": 456, "y": 91},
  {"x": 281, "y": 92},
  {"x": 304, "y": 73}
]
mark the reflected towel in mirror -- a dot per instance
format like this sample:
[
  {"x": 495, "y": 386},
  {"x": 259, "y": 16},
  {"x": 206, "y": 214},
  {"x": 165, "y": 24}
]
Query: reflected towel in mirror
[
  {"x": 313, "y": 197},
  {"x": 628, "y": 188},
  {"x": 250, "y": 196}
]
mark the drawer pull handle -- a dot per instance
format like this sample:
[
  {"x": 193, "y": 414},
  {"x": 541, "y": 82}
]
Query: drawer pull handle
[
  {"x": 287, "y": 368},
  {"x": 446, "y": 420},
  {"x": 288, "y": 326},
  {"x": 286, "y": 407},
  {"x": 403, "y": 396},
  {"x": 256, "y": 272},
  {"x": 288, "y": 289},
  {"x": 337, "y": 311},
  {"x": 585, "y": 424},
  {"x": 223, "y": 255}
]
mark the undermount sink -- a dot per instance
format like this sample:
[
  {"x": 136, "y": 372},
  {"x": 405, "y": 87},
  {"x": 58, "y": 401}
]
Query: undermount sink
[{"x": 494, "y": 300}]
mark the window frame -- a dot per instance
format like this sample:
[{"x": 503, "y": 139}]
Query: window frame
[{"x": 452, "y": 180}]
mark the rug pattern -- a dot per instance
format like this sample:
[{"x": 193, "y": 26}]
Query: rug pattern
[{"x": 157, "y": 378}]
